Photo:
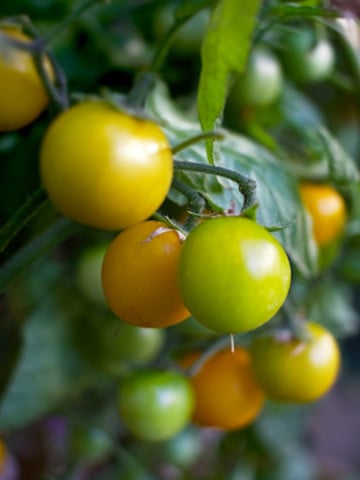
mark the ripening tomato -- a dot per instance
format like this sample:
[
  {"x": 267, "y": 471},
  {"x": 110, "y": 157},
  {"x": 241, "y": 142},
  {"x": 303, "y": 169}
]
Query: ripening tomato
[
  {"x": 22, "y": 94},
  {"x": 227, "y": 395},
  {"x": 105, "y": 168},
  {"x": 140, "y": 275},
  {"x": 327, "y": 210},
  {"x": 234, "y": 275},
  {"x": 155, "y": 405},
  {"x": 294, "y": 370}
]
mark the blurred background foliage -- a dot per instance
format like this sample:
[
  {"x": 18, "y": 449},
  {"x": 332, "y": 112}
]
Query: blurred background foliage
[{"x": 58, "y": 414}]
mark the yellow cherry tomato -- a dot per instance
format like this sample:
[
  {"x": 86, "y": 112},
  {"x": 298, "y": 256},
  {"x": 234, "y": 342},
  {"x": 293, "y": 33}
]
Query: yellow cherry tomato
[
  {"x": 293, "y": 370},
  {"x": 327, "y": 210},
  {"x": 22, "y": 94},
  {"x": 140, "y": 276},
  {"x": 105, "y": 168},
  {"x": 227, "y": 395}
]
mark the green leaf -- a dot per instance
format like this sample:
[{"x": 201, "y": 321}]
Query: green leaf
[
  {"x": 49, "y": 369},
  {"x": 277, "y": 187},
  {"x": 224, "y": 52}
]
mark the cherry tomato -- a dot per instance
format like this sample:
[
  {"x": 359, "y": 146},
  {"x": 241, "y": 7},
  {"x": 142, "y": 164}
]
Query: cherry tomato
[
  {"x": 227, "y": 395},
  {"x": 112, "y": 346},
  {"x": 294, "y": 370},
  {"x": 234, "y": 275},
  {"x": 88, "y": 273},
  {"x": 140, "y": 276},
  {"x": 306, "y": 58},
  {"x": 105, "y": 168},
  {"x": 261, "y": 83},
  {"x": 327, "y": 210},
  {"x": 22, "y": 94},
  {"x": 155, "y": 405}
]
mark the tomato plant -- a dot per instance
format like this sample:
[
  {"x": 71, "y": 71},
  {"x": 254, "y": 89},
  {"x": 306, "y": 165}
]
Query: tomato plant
[
  {"x": 239, "y": 287},
  {"x": 127, "y": 160},
  {"x": 155, "y": 405},
  {"x": 230, "y": 372},
  {"x": 140, "y": 276},
  {"x": 22, "y": 95},
  {"x": 327, "y": 209},
  {"x": 294, "y": 370}
]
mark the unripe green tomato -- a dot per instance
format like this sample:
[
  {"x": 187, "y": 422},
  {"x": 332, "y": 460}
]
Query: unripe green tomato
[
  {"x": 88, "y": 274},
  {"x": 113, "y": 346},
  {"x": 155, "y": 405},
  {"x": 261, "y": 83},
  {"x": 234, "y": 274},
  {"x": 184, "y": 449},
  {"x": 189, "y": 37},
  {"x": 307, "y": 59}
]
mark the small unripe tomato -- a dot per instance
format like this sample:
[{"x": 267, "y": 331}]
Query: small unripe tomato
[
  {"x": 307, "y": 59},
  {"x": 105, "y": 168},
  {"x": 227, "y": 395},
  {"x": 234, "y": 274},
  {"x": 155, "y": 405},
  {"x": 261, "y": 83},
  {"x": 140, "y": 276},
  {"x": 293, "y": 370},
  {"x": 22, "y": 94},
  {"x": 327, "y": 210}
]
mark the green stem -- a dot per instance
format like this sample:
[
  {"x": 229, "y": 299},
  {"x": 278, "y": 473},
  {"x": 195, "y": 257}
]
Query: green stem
[
  {"x": 39, "y": 246},
  {"x": 22, "y": 217},
  {"x": 196, "y": 139},
  {"x": 247, "y": 186},
  {"x": 196, "y": 201},
  {"x": 169, "y": 222},
  {"x": 219, "y": 344}
]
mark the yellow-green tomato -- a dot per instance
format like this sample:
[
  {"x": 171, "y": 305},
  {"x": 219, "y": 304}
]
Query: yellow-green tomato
[
  {"x": 234, "y": 275},
  {"x": 140, "y": 276},
  {"x": 105, "y": 168},
  {"x": 22, "y": 93},
  {"x": 155, "y": 405},
  {"x": 294, "y": 370}
]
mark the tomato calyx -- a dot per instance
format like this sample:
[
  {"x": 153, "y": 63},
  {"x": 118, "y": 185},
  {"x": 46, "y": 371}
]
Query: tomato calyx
[{"x": 164, "y": 229}]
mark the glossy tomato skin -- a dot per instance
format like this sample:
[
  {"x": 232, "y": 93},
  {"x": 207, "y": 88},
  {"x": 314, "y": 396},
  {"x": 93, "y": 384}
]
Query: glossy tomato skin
[
  {"x": 22, "y": 94},
  {"x": 105, "y": 168},
  {"x": 140, "y": 276},
  {"x": 327, "y": 210},
  {"x": 234, "y": 275},
  {"x": 227, "y": 395},
  {"x": 155, "y": 405},
  {"x": 293, "y": 370}
]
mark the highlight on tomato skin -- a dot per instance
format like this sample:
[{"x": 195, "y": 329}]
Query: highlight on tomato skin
[
  {"x": 227, "y": 395},
  {"x": 295, "y": 370}
]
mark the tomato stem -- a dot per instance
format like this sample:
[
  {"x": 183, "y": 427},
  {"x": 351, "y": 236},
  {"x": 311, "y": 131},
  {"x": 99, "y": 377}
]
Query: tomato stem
[
  {"x": 196, "y": 139},
  {"x": 247, "y": 186}
]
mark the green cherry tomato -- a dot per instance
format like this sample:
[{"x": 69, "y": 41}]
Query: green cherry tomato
[
  {"x": 307, "y": 59},
  {"x": 105, "y": 168},
  {"x": 294, "y": 370},
  {"x": 110, "y": 345},
  {"x": 88, "y": 273},
  {"x": 234, "y": 275},
  {"x": 261, "y": 83},
  {"x": 155, "y": 405}
]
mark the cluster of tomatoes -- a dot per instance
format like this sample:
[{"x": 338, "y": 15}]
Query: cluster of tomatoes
[{"x": 111, "y": 170}]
